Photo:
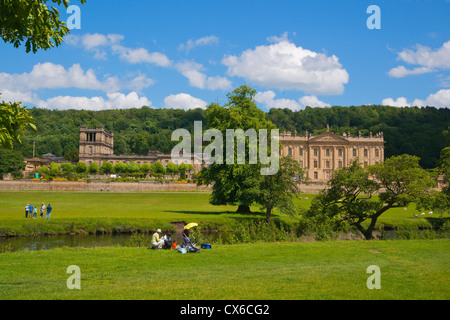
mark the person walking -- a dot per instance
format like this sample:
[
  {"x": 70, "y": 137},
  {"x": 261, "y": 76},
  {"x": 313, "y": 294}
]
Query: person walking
[
  {"x": 42, "y": 210},
  {"x": 49, "y": 212},
  {"x": 30, "y": 211}
]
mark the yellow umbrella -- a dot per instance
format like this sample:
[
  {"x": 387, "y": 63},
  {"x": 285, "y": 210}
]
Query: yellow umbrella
[{"x": 190, "y": 225}]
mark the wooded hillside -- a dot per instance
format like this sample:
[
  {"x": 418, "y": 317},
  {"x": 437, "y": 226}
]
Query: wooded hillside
[{"x": 414, "y": 131}]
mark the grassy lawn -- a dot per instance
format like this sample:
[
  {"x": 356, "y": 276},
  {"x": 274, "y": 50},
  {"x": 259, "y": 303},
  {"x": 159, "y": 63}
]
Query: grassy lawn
[
  {"x": 148, "y": 210},
  {"x": 274, "y": 271}
]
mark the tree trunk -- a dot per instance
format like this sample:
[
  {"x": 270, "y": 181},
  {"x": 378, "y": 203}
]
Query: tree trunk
[
  {"x": 269, "y": 211},
  {"x": 243, "y": 209}
]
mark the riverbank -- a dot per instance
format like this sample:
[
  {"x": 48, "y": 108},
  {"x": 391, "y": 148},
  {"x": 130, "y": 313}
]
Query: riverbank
[{"x": 115, "y": 212}]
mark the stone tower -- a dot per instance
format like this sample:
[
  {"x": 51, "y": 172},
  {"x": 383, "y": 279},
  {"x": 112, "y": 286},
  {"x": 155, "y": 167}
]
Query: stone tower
[{"x": 95, "y": 144}]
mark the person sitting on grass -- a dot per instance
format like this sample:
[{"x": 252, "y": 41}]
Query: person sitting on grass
[
  {"x": 157, "y": 242},
  {"x": 168, "y": 241}
]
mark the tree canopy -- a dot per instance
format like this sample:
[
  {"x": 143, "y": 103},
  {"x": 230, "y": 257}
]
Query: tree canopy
[
  {"x": 415, "y": 131},
  {"x": 234, "y": 183},
  {"x": 350, "y": 197},
  {"x": 32, "y": 23},
  {"x": 14, "y": 118}
]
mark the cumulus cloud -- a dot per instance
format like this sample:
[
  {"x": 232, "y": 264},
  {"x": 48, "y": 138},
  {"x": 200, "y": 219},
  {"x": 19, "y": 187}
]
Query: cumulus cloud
[
  {"x": 53, "y": 76},
  {"x": 49, "y": 75},
  {"x": 97, "y": 43},
  {"x": 184, "y": 101},
  {"x": 204, "y": 41},
  {"x": 440, "y": 99},
  {"x": 193, "y": 71},
  {"x": 399, "y": 102},
  {"x": 113, "y": 100},
  {"x": 283, "y": 65},
  {"x": 141, "y": 55},
  {"x": 428, "y": 59},
  {"x": 94, "y": 42},
  {"x": 401, "y": 71},
  {"x": 267, "y": 98}
]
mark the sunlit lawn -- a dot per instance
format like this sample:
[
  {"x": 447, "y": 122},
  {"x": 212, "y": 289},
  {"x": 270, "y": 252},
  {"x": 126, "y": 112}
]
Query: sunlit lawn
[
  {"x": 279, "y": 271},
  {"x": 158, "y": 206}
]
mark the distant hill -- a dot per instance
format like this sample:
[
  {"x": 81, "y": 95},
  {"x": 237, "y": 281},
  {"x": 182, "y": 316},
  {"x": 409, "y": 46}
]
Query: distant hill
[{"x": 415, "y": 131}]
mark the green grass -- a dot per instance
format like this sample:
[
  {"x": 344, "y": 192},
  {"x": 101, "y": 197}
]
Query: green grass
[
  {"x": 274, "y": 271},
  {"x": 102, "y": 211}
]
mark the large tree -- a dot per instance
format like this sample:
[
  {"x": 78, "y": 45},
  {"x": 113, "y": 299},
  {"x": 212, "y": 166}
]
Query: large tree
[
  {"x": 39, "y": 27},
  {"x": 11, "y": 162},
  {"x": 33, "y": 23},
  {"x": 235, "y": 184},
  {"x": 350, "y": 197},
  {"x": 278, "y": 190},
  {"x": 14, "y": 118}
]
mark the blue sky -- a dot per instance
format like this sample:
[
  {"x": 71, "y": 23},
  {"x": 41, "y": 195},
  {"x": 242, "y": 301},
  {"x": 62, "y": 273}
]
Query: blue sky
[{"x": 187, "y": 54}]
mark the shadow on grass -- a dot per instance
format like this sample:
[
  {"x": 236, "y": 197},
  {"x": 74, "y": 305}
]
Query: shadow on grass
[
  {"x": 238, "y": 214},
  {"x": 437, "y": 222}
]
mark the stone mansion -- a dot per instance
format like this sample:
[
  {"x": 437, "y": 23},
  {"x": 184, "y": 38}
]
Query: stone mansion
[{"x": 317, "y": 155}]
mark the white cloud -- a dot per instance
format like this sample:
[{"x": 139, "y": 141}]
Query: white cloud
[
  {"x": 97, "y": 42},
  {"x": 49, "y": 75},
  {"x": 428, "y": 59},
  {"x": 313, "y": 101},
  {"x": 114, "y": 100},
  {"x": 198, "y": 79},
  {"x": 94, "y": 42},
  {"x": 191, "y": 44},
  {"x": 184, "y": 101},
  {"x": 267, "y": 98},
  {"x": 440, "y": 99},
  {"x": 399, "y": 102},
  {"x": 283, "y": 65},
  {"x": 53, "y": 76},
  {"x": 16, "y": 96},
  {"x": 141, "y": 55},
  {"x": 275, "y": 39},
  {"x": 401, "y": 71}
]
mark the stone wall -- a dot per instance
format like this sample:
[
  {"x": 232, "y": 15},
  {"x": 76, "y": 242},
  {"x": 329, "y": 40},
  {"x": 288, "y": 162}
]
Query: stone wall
[
  {"x": 98, "y": 186},
  {"x": 147, "y": 186}
]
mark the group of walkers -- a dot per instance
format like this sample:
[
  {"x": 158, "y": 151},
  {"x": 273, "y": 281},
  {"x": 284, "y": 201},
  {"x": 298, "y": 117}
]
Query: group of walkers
[{"x": 32, "y": 212}]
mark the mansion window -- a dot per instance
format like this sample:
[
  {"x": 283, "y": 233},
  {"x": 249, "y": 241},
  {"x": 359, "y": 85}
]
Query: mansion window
[
  {"x": 365, "y": 163},
  {"x": 377, "y": 153},
  {"x": 315, "y": 164},
  {"x": 316, "y": 152},
  {"x": 316, "y": 176},
  {"x": 327, "y": 164},
  {"x": 365, "y": 152},
  {"x": 300, "y": 151},
  {"x": 90, "y": 150},
  {"x": 340, "y": 152},
  {"x": 327, "y": 152},
  {"x": 301, "y": 163},
  {"x": 290, "y": 151},
  {"x": 340, "y": 164},
  {"x": 354, "y": 152}
]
